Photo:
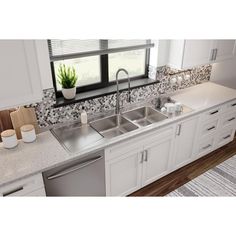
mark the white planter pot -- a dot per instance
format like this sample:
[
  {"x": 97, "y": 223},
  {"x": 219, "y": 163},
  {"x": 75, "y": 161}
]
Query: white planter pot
[{"x": 69, "y": 93}]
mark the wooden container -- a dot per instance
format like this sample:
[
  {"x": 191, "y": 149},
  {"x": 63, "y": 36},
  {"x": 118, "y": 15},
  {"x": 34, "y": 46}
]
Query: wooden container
[
  {"x": 28, "y": 133},
  {"x": 9, "y": 139}
]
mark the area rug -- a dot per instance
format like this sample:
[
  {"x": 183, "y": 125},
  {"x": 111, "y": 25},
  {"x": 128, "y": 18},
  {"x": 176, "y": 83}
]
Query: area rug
[{"x": 219, "y": 181}]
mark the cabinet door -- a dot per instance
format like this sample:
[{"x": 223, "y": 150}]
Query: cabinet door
[
  {"x": 123, "y": 174},
  {"x": 20, "y": 77},
  {"x": 225, "y": 49},
  {"x": 156, "y": 160},
  {"x": 184, "y": 141},
  {"x": 197, "y": 52}
]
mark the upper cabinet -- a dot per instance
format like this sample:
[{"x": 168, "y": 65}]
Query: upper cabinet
[
  {"x": 20, "y": 74},
  {"x": 184, "y": 54}
]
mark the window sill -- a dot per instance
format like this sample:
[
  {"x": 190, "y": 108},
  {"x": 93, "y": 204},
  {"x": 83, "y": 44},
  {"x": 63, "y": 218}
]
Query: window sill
[{"x": 104, "y": 91}]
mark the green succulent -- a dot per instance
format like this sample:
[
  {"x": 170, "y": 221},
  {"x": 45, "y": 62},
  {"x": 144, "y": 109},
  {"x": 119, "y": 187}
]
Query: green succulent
[{"x": 67, "y": 77}]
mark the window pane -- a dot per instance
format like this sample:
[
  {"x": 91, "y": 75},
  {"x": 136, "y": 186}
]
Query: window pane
[
  {"x": 132, "y": 61},
  {"x": 87, "y": 69}
]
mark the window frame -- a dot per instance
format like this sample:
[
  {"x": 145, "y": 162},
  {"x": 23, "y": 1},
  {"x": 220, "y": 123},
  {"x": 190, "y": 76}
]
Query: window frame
[{"x": 104, "y": 75}]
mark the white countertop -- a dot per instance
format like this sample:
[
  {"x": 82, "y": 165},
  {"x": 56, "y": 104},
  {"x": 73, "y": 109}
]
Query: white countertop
[
  {"x": 46, "y": 152},
  {"x": 204, "y": 95}
]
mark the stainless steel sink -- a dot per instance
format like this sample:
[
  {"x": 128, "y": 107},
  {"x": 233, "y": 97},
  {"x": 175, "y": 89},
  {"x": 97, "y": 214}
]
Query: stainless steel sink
[
  {"x": 144, "y": 116},
  {"x": 113, "y": 126}
]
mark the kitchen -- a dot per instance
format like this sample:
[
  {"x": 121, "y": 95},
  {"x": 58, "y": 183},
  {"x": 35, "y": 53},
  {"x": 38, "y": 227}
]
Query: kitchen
[
  {"x": 117, "y": 136},
  {"x": 117, "y": 117}
]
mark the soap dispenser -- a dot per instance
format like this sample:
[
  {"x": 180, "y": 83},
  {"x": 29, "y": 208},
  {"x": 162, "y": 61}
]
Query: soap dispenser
[{"x": 83, "y": 116}]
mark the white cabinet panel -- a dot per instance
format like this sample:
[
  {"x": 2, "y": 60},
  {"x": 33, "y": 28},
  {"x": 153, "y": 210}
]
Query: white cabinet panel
[
  {"x": 20, "y": 76},
  {"x": 197, "y": 52},
  {"x": 123, "y": 174},
  {"x": 225, "y": 49},
  {"x": 156, "y": 160},
  {"x": 185, "y": 54},
  {"x": 184, "y": 141},
  {"x": 127, "y": 172}
]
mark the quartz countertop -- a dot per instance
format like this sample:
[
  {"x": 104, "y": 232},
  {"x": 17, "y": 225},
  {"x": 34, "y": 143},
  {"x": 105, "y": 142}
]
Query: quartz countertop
[{"x": 46, "y": 152}]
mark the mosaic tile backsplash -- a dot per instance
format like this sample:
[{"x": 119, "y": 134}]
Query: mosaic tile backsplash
[{"x": 48, "y": 116}]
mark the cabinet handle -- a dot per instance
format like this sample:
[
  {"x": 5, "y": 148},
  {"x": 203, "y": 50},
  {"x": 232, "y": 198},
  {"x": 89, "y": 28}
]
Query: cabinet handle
[
  {"x": 233, "y": 118},
  {"x": 209, "y": 145},
  {"x": 212, "y": 55},
  {"x": 227, "y": 136},
  {"x": 214, "y": 112},
  {"x": 213, "y": 127},
  {"x": 146, "y": 155},
  {"x": 178, "y": 130},
  {"x": 13, "y": 191},
  {"x": 216, "y": 51},
  {"x": 234, "y": 104},
  {"x": 142, "y": 157}
]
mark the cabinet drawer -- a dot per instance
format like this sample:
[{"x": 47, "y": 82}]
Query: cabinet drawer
[
  {"x": 228, "y": 119},
  {"x": 209, "y": 127},
  {"x": 212, "y": 113},
  {"x": 22, "y": 187},
  {"x": 205, "y": 147},
  {"x": 231, "y": 106},
  {"x": 225, "y": 136}
]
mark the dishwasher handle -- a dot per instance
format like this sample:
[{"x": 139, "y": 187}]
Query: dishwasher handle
[{"x": 74, "y": 168}]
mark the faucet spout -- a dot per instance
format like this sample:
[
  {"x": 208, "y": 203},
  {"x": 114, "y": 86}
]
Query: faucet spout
[{"x": 117, "y": 89}]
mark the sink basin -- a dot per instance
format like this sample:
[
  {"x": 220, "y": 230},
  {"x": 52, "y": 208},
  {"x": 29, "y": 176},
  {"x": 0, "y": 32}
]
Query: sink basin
[
  {"x": 113, "y": 126},
  {"x": 144, "y": 116}
]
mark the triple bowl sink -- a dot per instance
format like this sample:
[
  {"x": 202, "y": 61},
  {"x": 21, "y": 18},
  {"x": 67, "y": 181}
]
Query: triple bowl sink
[{"x": 116, "y": 125}]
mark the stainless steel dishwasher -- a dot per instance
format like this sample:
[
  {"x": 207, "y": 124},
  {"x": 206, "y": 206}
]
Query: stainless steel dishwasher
[{"x": 84, "y": 177}]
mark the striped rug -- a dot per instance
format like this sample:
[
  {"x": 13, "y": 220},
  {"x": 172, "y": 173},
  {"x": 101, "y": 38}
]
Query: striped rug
[{"x": 219, "y": 181}]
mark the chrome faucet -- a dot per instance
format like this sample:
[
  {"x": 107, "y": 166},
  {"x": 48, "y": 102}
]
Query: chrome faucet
[{"x": 117, "y": 89}]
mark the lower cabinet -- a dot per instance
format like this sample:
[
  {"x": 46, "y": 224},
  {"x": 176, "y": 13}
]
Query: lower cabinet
[
  {"x": 123, "y": 174},
  {"x": 156, "y": 160},
  {"x": 184, "y": 142},
  {"x": 140, "y": 166},
  {"x": 30, "y": 186}
]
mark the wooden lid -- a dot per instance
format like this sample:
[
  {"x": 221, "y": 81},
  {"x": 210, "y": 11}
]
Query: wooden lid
[
  {"x": 26, "y": 128},
  {"x": 8, "y": 133}
]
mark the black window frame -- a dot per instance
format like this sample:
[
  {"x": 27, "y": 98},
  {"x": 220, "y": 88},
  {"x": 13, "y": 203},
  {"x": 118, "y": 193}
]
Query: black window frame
[{"x": 104, "y": 70}]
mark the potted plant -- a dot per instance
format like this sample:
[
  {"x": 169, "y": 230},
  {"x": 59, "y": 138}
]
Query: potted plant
[{"x": 67, "y": 78}]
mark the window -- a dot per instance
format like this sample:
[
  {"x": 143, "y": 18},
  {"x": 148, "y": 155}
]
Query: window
[{"x": 96, "y": 61}]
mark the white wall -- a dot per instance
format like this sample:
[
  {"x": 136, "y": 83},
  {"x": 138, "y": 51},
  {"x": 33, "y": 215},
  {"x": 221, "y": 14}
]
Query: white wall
[
  {"x": 44, "y": 63},
  {"x": 224, "y": 73}
]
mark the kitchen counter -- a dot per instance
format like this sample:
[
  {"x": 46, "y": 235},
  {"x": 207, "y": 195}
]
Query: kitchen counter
[{"x": 46, "y": 152}]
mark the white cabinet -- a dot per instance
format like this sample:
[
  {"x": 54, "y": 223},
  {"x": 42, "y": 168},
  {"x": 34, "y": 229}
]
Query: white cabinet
[
  {"x": 20, "y": 75},
  {"x": 216, "y": 128},
  {"x": 156, "y": 158},
  {"x": 30, "y": 186},
  {"x": 184, "y": 54},
  {"x": 134, "y": 164},
  {"x": 224, "y": 50},
  {"x": 184, "y": 142},
  {"x": 123, "y": 174}
]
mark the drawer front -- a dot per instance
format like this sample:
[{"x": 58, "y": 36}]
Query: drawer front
[
  {"x": 228, "y": 119},
  {"x": 22, "y": 187},
  {"x": 225, "y": 136},
  {"x": 231, "y": 106},
  {"x": 209, "y": 128},
  {"x": 213, "y": 113},
  {"x": 137, "y": 143},
  {"x": 205, "y": 146}
]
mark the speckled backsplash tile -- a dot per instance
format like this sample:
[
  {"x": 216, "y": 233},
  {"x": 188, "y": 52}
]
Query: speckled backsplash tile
[{"x": 47, "y": 115}]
